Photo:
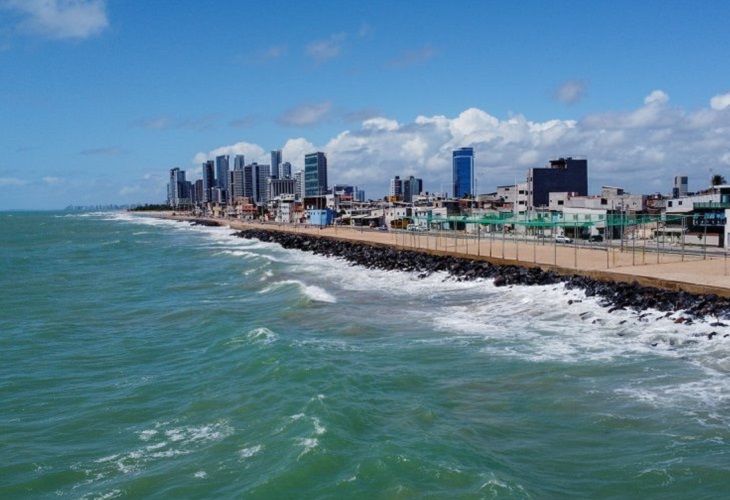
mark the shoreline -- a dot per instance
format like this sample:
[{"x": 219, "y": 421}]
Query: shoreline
[
  {"x": 616, "y": 290},
  {"x": 613, "y": 295}
]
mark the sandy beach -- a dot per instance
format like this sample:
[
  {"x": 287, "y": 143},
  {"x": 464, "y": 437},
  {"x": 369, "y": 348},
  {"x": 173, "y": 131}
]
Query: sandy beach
[{"x": 673, "y": 270}]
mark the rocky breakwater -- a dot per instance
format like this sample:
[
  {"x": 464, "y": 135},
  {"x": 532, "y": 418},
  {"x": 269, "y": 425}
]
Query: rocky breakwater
[{"x": 612, "y": 295}]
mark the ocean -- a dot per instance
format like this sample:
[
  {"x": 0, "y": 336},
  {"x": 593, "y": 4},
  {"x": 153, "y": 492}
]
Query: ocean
[{"x": 146, "y": 358}]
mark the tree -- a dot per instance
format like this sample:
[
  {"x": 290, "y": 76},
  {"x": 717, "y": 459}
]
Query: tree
[{"x": 717, "y": 179}]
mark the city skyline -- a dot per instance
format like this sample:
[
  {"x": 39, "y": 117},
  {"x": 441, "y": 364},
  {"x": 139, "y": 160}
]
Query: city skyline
[{"x": 102, "y": 102}]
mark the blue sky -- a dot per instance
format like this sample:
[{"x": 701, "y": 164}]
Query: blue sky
[{"x": 99, "y": 99}]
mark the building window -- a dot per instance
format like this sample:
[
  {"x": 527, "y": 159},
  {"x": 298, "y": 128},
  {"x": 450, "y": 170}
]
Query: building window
[
  {"x": 680, "y": 202},
  {"x": 561, "y": 202}
]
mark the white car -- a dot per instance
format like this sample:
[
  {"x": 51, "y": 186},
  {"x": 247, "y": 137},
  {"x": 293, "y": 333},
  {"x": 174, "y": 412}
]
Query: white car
[{"x": 563, "y": 239}]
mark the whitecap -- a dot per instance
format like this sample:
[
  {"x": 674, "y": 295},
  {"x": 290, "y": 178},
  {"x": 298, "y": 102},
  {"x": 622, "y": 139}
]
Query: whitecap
[
  {"x": 308, "y": 444},
  {"x": 261, "y": 335},
  {"x": 312, "y": 292},
  {"x": 250, "y": 451}
]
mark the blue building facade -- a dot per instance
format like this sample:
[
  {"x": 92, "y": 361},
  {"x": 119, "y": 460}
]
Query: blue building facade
[
  {"x": 463, "y": 172},
  {"x": 315, "y": 174},
  {"x": 322, "y": 217}
]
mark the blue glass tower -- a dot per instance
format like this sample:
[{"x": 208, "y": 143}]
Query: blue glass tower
[
  {"x": 315, "y": 174},
  {"x": 463, "y": 172}
]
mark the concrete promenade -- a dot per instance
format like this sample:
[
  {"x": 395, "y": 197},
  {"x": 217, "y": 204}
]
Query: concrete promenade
[{"x": 671, "y": 269}]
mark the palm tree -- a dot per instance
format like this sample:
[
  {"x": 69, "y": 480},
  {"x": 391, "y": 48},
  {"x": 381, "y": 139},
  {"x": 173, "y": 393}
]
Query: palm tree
[{"x": 717, "y": 179}]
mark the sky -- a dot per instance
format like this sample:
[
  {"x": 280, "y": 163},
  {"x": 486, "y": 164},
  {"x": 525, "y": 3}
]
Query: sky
[{"x": 99, "y": 99}]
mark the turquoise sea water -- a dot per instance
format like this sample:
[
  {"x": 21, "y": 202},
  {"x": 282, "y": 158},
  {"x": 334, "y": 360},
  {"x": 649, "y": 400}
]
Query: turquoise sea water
[{"x": 144, "y": 358}]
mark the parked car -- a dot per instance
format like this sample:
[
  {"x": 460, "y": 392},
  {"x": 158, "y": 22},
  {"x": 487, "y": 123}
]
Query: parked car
[
  {"x": 595, "y": 238},
  {"x": 563, "y": 239},
  {"x": 382, "y": 228},
  {"x": 416, "y": 228}
]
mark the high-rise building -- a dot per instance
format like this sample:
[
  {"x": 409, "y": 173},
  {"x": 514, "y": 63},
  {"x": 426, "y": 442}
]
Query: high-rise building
[
  {"x": 315, "y": 174},
  {"x": 275, "y": 162},
  {"x": 680, "y": 186},
  {"x": 236, "y": 184},
  {"x": 197, "y": 194},
  {"x": 396, "y": 188},
  {"x": 564, "y": 175},
  {"x": 208, "y": 181},
  {"x": 254, "y": 182},
  {"x": 299, "y": 179},
  {"x": 463, "y": 172},
  {"x": 239, "y": 162},
  {"x": 285, "y": 170},
  {"x": 412, "y": 187},
  {"x": 221, "y": 176},
  {"x": 178, "y": 189}
]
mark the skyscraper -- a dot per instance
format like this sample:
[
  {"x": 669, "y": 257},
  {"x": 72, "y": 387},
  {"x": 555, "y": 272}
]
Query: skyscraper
[
  {"x": 315, "y": 174},
  {"x": 238, "y": 162},
  {"x": 208, "y": 180},
  {"x": 275, "y": 162},
  {"x": 463, "y": 172},
  {"x": 221, "y": 175},
  {"x": 396, "y": 188},
  {"x": 178, "y": 189},
  {"x": 412, "y": 187},
  {"x": 285, "y": 170},
  {"x": 254, "y": 182}
]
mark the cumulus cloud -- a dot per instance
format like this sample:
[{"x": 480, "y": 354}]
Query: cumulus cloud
[
  {"x": 306, "y": 114},
  {"x": 656, "y": 98},
  {"x": 324, "y": 50},
  {"x": 641, "y": 149},
  {"x": 251, "y": 152},
  {"x": 571, "y": 92},
  {"x": 720, "y": 101},
  {"x": 60, "y": 19}
]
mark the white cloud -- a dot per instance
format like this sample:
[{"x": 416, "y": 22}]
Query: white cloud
[
  {"x": 571, "y": 91},
  {"x": 294, "y": 151},
  {"x": 640, "y": 149},
  {"x": 656, "y": 98},
  {"x": 380, "y": 124},
  {"x": 251, "y": 152},
  {"x": 61, "y": 18},
  {"x": 306, "y": 114},
  {"x": 52, "y": 180},
  {"x": 720, "y": 101},
  {"x": 324, "y": 50}
]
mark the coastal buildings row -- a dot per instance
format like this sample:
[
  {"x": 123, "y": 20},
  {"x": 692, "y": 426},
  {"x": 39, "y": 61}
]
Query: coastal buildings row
[{"x": 554, "y": 196}]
